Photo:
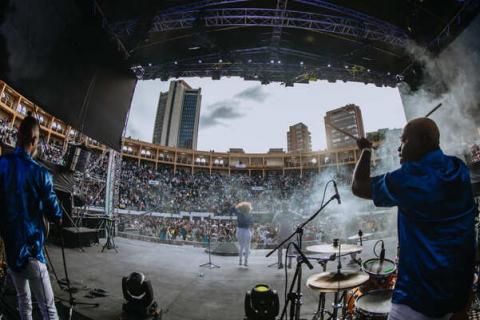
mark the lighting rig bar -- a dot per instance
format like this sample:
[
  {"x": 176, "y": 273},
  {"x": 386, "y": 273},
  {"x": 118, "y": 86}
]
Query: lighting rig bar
[
  {"x": 253, "y": 64},
  {"x": 351, "y": 13},
  {"x": 470, "y": 7},
  {"x": 255, "y": 17}
]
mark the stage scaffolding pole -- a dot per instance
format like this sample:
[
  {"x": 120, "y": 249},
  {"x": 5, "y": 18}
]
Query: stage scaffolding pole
[{"x": 109, "y": 201}]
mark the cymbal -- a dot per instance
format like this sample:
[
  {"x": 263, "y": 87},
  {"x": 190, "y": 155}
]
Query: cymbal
[
  {"x": 357, "y": 237},
  {"x": 331, "y": 249},
  {"x": 334, "y": 281}
]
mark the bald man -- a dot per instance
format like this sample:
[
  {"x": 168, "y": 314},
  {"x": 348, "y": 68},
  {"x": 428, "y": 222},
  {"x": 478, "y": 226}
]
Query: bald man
[{"x": 435, "y": 222}]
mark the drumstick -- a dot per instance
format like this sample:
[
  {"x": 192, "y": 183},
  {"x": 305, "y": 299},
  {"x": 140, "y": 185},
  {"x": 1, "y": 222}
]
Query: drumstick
[
  {"x": 434, "y": 109},
  {"x": 348, "y": 134}
]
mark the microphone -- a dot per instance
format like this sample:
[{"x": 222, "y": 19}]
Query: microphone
[
  {"x": 382, "y": 254},
  {"x": 337, "y": 195}
]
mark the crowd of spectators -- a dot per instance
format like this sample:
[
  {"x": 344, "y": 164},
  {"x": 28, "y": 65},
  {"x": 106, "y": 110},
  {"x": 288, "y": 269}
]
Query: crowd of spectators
[{"x": 198, "y": 230}]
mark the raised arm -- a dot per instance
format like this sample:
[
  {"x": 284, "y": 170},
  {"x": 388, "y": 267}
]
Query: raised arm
[{"x": 361, "y": 184}]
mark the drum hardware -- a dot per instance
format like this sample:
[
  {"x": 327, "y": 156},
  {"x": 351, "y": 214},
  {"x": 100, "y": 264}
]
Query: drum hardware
[
  {"x": 374, "y": 305},
  {"x": 295, "y": 298},
  {"x": 339, "y": 283}
]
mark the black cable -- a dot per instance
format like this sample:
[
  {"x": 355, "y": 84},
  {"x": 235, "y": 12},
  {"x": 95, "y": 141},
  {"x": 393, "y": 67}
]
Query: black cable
[
  {"x": 375, "y": 247},
  {"x": 286, "y": 272}
]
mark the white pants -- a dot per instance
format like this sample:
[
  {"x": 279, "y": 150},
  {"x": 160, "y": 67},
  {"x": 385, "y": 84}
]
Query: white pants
[
  {"x": 35, "y": 277},
  {"x": 244, "y": 236},
  {"x": 404, "y": 312}
]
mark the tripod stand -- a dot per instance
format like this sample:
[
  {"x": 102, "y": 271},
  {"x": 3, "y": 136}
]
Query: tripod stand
[
  {"x": 110, "y": 232},
  {"x": 209, "y": 264}
]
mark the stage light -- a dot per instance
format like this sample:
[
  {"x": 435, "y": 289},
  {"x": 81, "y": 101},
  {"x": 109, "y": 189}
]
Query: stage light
[
  {"x": 301, "y": 63},
  {"x": 261, "y": 303},
  {"x": 368, "y": 70},
  {"x": 149, "y": 64},
  {"x": 346, "y": 67},
  {"x": 200, "y": 61},
  {"x": 329, "y": 65},
  {"x": 138, "y": 293},
  {"x": 279, "y": 61},
  {"x": 249, "y": 60},
  {"x": 220, "y": 61},
  {"x": 388, "y": 73},
  {"x": 175, "y": 62},
  {"x": 271, "y": 61}
]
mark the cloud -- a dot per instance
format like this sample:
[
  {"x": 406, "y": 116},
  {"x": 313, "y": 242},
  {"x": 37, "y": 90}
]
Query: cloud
[
  {"x": 256, "y": 93},
  {"x": 221, "y": 111}
]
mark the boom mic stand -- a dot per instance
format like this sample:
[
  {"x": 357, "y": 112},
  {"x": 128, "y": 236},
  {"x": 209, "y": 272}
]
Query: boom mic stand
[{"x": 295, "y": 298}]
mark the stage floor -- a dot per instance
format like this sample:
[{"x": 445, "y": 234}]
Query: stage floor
[{"x": 182, "y": 289}]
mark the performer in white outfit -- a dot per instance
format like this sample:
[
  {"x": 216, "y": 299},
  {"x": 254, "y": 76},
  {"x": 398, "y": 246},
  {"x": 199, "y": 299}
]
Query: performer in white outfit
[{"x": 244, "y": 235}]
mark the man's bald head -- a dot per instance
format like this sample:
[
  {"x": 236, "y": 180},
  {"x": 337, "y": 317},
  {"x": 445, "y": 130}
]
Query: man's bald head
[{"x": 420, "y": 136}]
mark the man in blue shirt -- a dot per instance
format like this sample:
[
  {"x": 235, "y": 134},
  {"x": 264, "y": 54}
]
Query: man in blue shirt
[
  {"x": 26, "y": 197},
  {"x": 436, "y": 215}
]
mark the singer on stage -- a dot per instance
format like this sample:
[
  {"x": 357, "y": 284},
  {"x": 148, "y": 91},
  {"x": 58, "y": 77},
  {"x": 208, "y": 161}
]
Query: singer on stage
[
  {"x": 26, "y": 197},
  {"x": 244, "y": 235},
  {"x": 435, "y": 222}
]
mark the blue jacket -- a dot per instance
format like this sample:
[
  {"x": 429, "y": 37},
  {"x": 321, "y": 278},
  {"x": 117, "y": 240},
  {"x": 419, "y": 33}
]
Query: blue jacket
[
  {"x": 26, "y": 196},
  {"x": 436, "y": 234}
]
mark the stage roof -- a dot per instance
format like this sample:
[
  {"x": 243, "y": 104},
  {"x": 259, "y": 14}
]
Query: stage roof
[{"x": 279, "y": 40}]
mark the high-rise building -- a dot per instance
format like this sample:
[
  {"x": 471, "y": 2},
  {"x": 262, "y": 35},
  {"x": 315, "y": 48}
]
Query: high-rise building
[
  {"x": 298, "y": 138},
  {"x": 178, "y": 115},
  {"x": 347, "y": 118}
]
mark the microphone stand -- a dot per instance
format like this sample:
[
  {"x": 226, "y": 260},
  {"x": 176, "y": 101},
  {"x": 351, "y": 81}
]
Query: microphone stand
[{"x": 295, "y": 298}]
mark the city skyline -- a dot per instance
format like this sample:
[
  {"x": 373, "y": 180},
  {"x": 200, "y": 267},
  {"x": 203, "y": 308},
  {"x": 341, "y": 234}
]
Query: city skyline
[
  {"x": 244, "y": 114},
  {"x": 177, "y": 116}
]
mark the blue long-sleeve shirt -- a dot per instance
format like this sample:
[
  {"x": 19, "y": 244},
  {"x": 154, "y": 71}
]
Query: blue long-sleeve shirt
[
  {"x": 26, "y": 196},
  {"x": 436, "y": 215}
]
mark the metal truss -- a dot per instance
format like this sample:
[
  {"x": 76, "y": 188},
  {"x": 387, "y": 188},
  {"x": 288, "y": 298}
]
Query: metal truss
[
  {"x": 254, "y": 17},
  {"x": 253, "y": 64},
  {"x": 199, "y": 5},
  {"x": 469, "y": 7},
  {"x": 350, "y": 12}
]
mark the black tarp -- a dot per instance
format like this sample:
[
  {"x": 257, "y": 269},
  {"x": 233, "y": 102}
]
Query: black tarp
[{"x": 56, "y": 53}]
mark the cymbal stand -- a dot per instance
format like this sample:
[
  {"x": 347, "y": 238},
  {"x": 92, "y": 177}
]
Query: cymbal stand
[{"x": 295, "y": 298}]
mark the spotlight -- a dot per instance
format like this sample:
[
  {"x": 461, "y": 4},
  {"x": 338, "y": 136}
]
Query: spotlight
[
  {"x": 388, "y": 73},
  {"x": 220, "y": 60},
  {"x": 175, "y": 62},
  {"x": 368, "y": 70},
  {"x": 200, "y": 61},
  {"x": 138, "y": 293},
  {"x": 261, "y": 303},
  {"x": 346, "y": 67},
  {"x": 271, "y": 61},
  {"x": 249, "y": 60},
  {"x": 329, "y": 65},
  {"x": 279, "y": 61},
  {"x": 301, "y": 63}
]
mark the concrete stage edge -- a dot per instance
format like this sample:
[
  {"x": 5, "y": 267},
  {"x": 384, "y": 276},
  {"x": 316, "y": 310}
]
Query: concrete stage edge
[{"x": 182, "y": 289}]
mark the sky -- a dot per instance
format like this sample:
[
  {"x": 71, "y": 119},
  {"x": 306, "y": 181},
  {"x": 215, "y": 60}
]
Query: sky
[{"x": 245, "y": 114}]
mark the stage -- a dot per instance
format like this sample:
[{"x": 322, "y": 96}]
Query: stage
[{"x": 182, "y": 289}]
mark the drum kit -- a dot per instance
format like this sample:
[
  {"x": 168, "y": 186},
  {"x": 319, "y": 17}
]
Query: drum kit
[{"x": 357, "y": 294}]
